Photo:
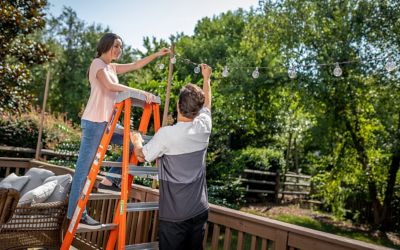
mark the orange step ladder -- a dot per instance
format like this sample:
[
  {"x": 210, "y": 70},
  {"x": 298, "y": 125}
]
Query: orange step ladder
[{"x": 129, "y": 169}]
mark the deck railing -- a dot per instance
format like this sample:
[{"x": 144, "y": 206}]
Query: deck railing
[{"x": 226, "y": 228}]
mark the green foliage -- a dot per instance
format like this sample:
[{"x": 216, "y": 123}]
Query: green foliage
[
  {"x": 19, "y": 51},
  {"x": 228, "y": 193},
  {"x": 259, "y": 158},
  {"x": 22, "y": 131},
  {"x": 19, "y": 133}
]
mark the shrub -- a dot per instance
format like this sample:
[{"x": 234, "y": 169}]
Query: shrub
[{"x": 23, "y": 130}]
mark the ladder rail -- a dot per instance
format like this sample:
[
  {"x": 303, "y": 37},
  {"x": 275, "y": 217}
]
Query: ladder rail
[
  {"x": 124, "y": 181},
  {"x": 91, "y": 178},
  {"x": 144, "y": 123},
  {"x": 118, "y": 227}
]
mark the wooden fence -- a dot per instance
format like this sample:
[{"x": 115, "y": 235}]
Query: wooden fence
[
  {"x": 226, "y": 228},
  {"x": 273, "y": 184}
]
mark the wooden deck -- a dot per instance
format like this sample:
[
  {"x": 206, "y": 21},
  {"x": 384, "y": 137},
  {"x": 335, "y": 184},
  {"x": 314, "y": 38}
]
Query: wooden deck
[{"x": 226, "y": 228}]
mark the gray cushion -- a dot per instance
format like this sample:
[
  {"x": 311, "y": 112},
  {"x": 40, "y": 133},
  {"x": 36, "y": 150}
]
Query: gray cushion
[
  {"x": 38, "y": 175},
  {"x": 14, "y": 181},
  {"x": 62, "y": 187},
  {"x": 38, "y": 195}
]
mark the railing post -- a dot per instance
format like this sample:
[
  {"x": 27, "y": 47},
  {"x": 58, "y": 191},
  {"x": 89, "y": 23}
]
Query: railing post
[
  {"x": 277, "y": 186},
  {"x": 281, "y": 240}
]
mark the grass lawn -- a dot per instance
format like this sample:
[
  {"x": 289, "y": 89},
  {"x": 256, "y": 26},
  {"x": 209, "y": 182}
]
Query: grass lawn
[{"x": 311, "y": 219}]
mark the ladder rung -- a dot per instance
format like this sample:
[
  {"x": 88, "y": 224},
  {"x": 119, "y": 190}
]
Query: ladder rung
[
  {"x": 117, "y": 164},
  {"x": 143, "y": 246},
  {"x": 82, "y": 228},
  {"x": 142, "y": 206},
  {"x": 139, "y": 171},
  {"x": 103, "y": 196},
  {"x": 135, "y": 171},
  {"x": 120, "y": 130}
]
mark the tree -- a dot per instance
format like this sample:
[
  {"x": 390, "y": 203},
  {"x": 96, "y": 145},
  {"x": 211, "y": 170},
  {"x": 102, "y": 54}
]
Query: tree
[{"x": 19, "y": 52}]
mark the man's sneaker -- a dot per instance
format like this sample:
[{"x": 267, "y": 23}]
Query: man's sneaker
[
  {"x": 89, "y": 223},
  {"x": 112, "y": 189}
]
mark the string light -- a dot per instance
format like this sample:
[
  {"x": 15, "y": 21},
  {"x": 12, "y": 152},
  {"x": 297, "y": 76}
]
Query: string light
[
  {"x": 337, "y": 71},
  {"x": 390, "y": 65},
  {"x": 255, "y": 73},
  {"x": 197, "y": 69},
  {"x": 225, "y": 73},
  {"x": 173, "y": 60},
  {"x": 161, "y": 66},
  {"x": 292, "y": 73}
]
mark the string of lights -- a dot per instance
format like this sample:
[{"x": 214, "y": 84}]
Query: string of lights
[{"x": 390, "y": 66}]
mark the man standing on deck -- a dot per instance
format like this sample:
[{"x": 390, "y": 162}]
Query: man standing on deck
[{"x": 182, "y": 150}]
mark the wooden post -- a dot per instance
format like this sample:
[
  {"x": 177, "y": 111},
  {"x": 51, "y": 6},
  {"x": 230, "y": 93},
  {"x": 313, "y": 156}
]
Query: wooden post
[
  {"x": 277, "y": 185},
  {"x": 168, "y": 93},
  {"x": 46, "y": 92}
]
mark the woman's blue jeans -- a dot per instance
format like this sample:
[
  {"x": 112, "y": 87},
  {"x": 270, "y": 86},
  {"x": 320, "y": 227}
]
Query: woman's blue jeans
[{"x": 92, "y": 132}]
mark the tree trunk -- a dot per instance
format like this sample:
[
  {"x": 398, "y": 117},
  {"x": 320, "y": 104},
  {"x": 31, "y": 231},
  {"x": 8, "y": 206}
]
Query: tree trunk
[
  {"x": 391, "y": 180},
  {"x": 359, "y": 145}
]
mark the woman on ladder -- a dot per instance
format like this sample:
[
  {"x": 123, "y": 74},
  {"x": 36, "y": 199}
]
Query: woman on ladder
[{"x": 102, "y": 75}]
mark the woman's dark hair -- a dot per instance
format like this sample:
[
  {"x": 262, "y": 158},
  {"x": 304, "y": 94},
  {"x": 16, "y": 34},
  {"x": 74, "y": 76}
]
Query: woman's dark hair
[
  {"x": 191, "y": 100},
  {"x": 104, "y": 45}
]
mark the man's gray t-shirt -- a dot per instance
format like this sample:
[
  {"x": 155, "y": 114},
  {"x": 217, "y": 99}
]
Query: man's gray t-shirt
[{"x": 182, "y": 150}]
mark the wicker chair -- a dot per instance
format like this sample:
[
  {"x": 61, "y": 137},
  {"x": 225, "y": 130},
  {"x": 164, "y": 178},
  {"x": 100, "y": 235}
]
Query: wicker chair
[
  {"x": 39, "y": 225},
  {"x": 8, "y": 202}
]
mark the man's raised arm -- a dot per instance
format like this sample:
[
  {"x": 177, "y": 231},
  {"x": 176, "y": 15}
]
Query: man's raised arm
[{"x": 206, "y": 72}]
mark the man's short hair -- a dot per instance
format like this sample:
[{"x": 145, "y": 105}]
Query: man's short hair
[{"x": 191, "y": 100}]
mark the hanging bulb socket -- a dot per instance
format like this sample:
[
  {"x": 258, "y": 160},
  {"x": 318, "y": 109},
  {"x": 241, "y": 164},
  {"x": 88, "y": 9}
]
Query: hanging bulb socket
[
  {"x": 225, "y": 72},
  {"x": 173, "y": 59},
  {"x": 197, "y": 69},
  {"x": 337, "y": 71},
  {"x": 390, "y": 64},
  {"x": 255, "y": 73},
  {"x": 292, "y": 73}
]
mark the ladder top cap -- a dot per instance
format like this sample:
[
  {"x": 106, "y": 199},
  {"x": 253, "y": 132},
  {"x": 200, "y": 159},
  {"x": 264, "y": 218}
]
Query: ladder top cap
[{"x": 139, "y": 99}]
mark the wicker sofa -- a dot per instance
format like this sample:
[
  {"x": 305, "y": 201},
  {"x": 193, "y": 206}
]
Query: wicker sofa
[
  {"x": 36, "y": 225},
  {"x": 39, "y": 225}
]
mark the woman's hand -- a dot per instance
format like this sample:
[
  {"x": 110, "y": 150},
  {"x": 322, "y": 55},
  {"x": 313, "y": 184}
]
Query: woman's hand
[
  {"x": 149, "y": 97},
  {"x": 163, "y": 52}
]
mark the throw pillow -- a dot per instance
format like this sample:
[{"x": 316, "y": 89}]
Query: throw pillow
[
  {"x": 62, "y": 188},
  {"x": 14, "y": 181},
  {"x": 37, "y": 175},
  {"x": 38, "y": 195}
]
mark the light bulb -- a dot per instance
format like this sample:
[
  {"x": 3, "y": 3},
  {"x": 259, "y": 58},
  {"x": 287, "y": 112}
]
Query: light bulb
[
  {"x": 292, "y": 73},
  {"x": 390, "y": 65},
  {"x": 337, "y": 71},
  {"x": 255, "y": 73},
  {"x": 225, "y": 73},
  {"x": 197, "y": 69},
  {"x": 161, "y": 66},
  {"x": 173, "y": 60}
]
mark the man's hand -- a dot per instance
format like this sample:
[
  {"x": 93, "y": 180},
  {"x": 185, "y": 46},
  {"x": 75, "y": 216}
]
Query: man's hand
[
  {"x": 206, "y": 71},
  {"x": 137, "y": 142}
]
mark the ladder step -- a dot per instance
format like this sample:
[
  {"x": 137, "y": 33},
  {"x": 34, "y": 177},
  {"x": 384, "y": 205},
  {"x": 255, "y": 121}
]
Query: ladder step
[
  {"x": 140, "y": 171},
  {"x": 83, "y": 228},
  {"x": 117, "y": 164},
  {"x": 141, "y": 206},
  {"x": 103, "y": 196},
  {"x": 120, "y": 130},
  {"x": 133, "y": 170},
  {"x": 138, "y": 99},
  {"x": 143, "y": 246}
]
